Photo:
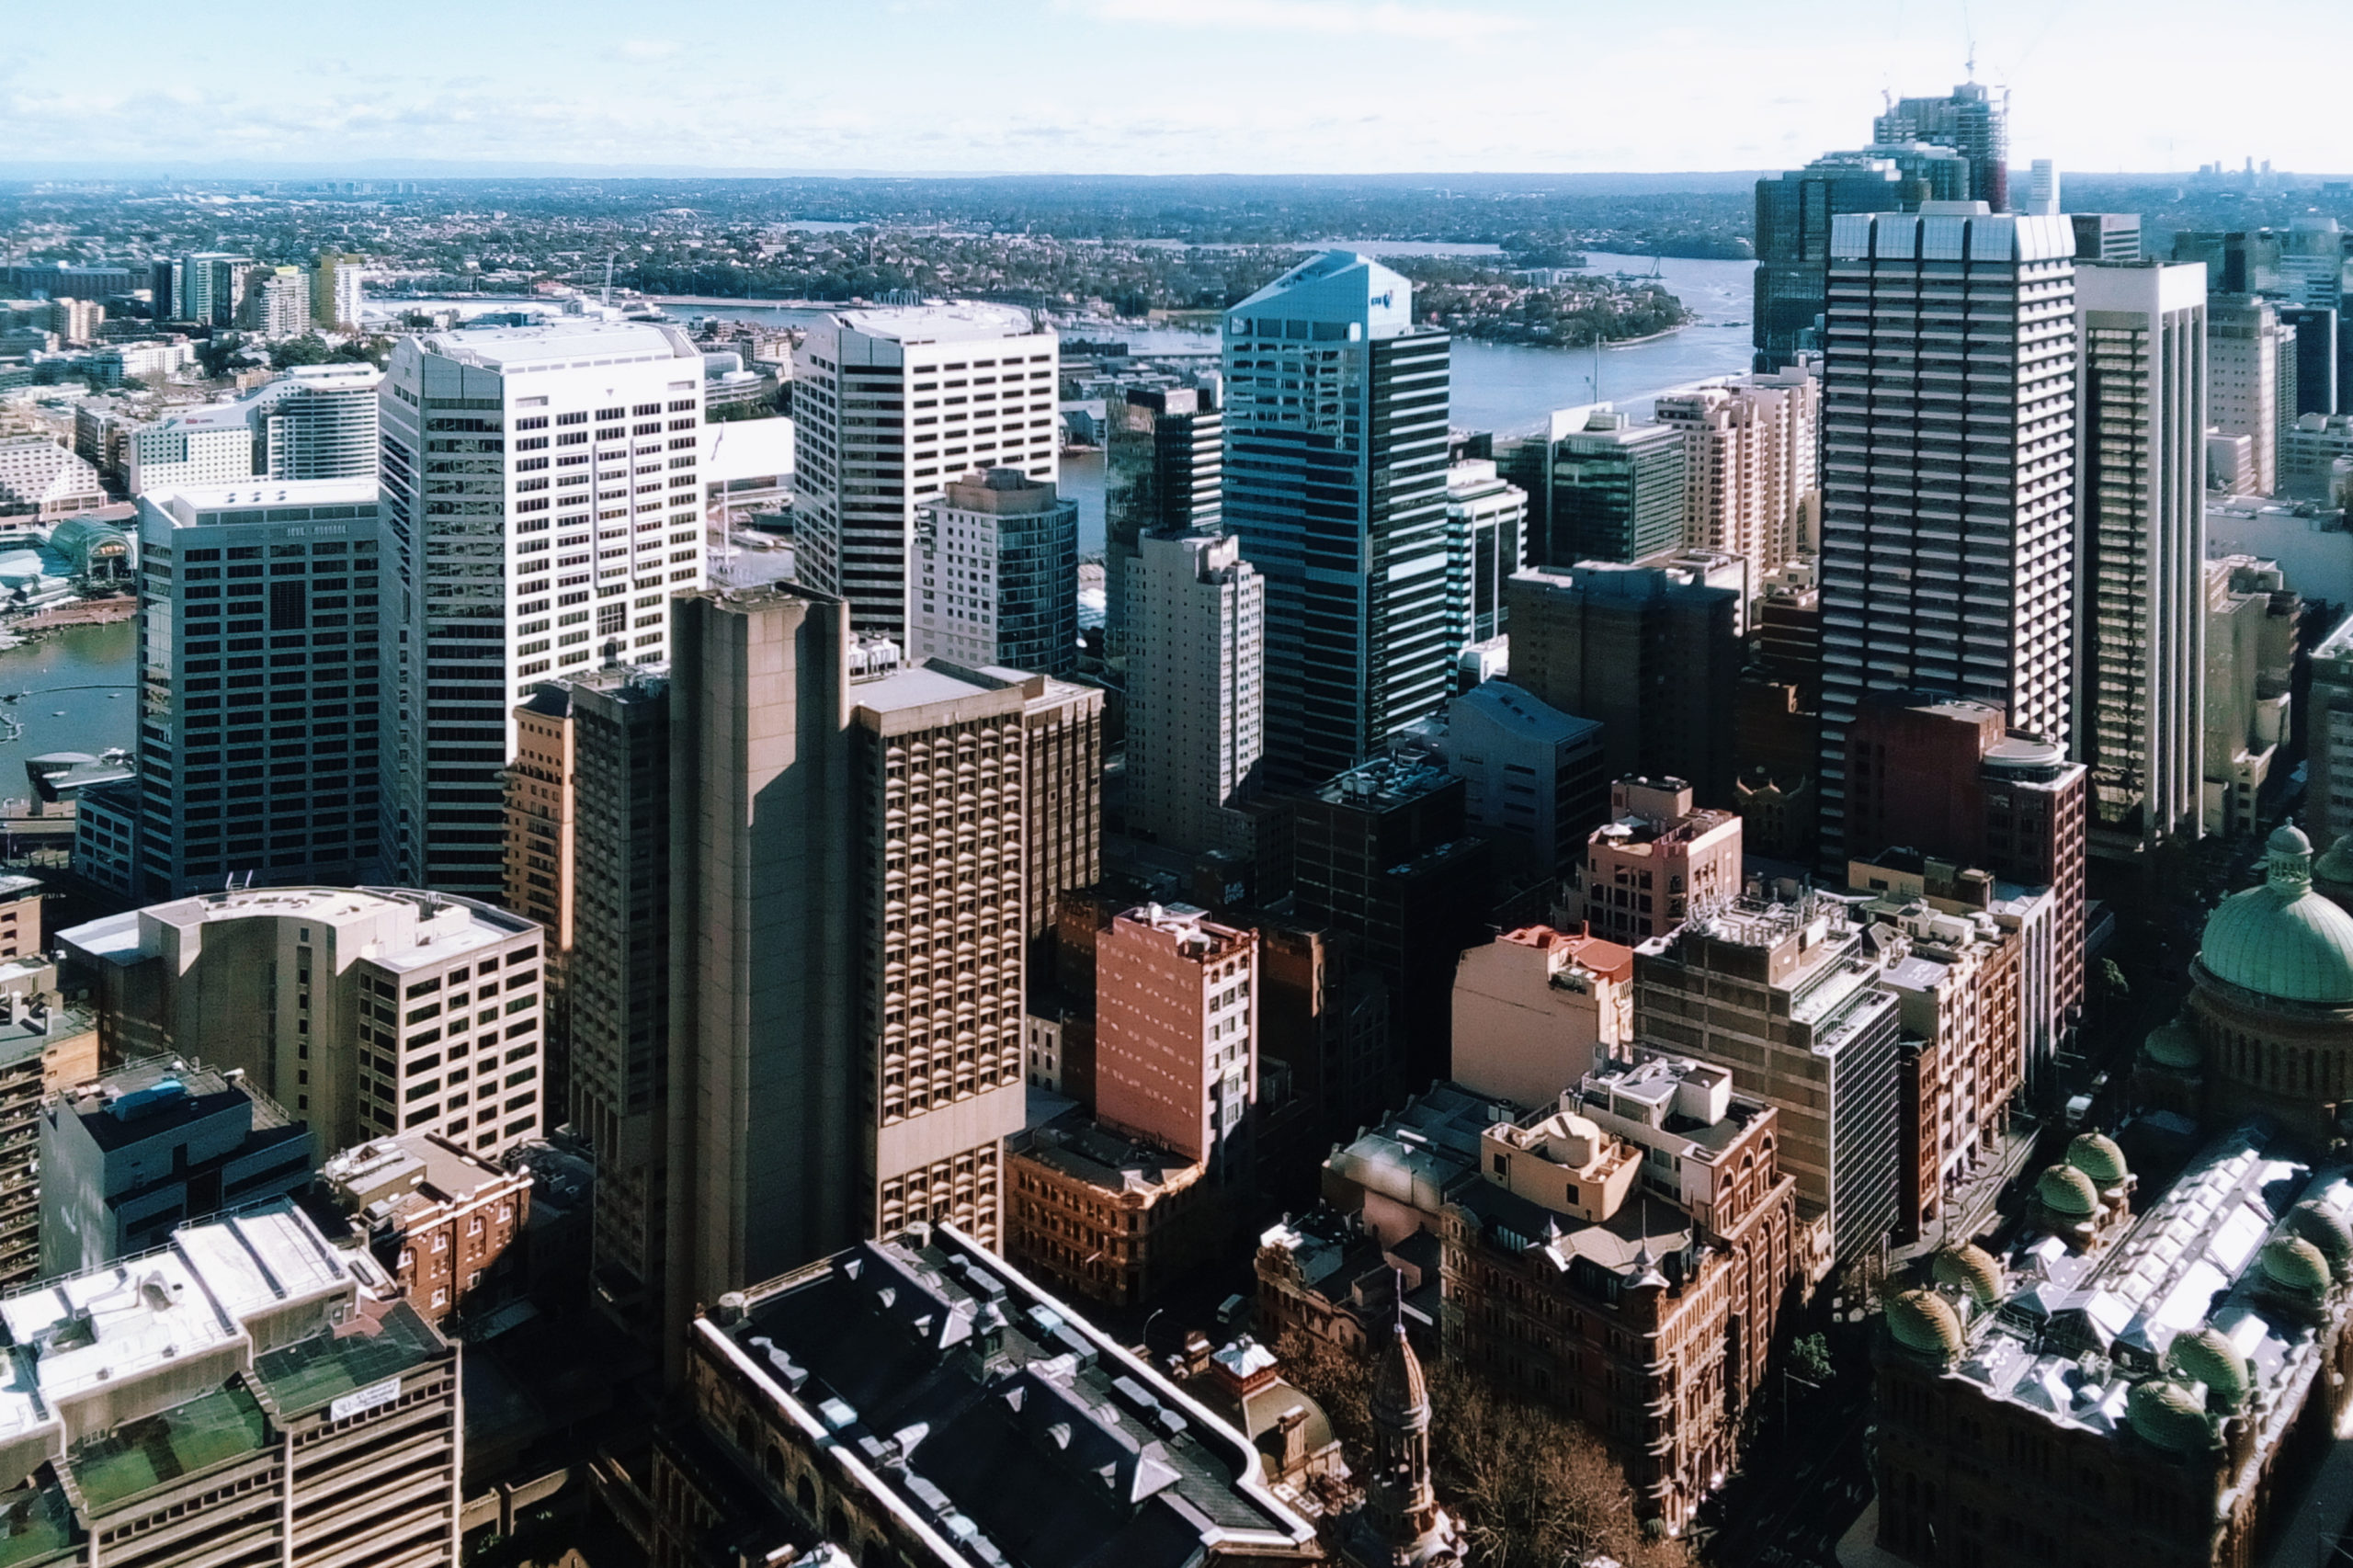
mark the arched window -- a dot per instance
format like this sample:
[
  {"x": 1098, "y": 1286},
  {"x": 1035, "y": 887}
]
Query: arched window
[
  {"x": 806, "y": 1496},
  {"x": 773, "y": 1462}
]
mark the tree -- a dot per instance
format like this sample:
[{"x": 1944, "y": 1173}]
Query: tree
[
  {"x": 308, "y": 350},
  {"x": 215, "y": 352},
  {"x": 2113, "y": 977}
]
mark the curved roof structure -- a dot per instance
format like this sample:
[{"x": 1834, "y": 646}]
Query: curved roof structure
[{"x": 2282, "y": 940}]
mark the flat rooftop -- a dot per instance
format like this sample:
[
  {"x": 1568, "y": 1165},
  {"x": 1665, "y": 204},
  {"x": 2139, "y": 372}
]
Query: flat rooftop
[
  {"x": 948, "y": 322},
  {"x": 577, "y": 343},
  {"x": 186, "y": 505},
  {"x": 446, "y": 926},
  {"x": 933, "y": 684}
]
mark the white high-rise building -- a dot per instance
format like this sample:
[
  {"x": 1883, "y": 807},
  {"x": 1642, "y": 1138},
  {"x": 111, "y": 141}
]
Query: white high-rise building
[
  {"x": 2140, "y": 551},
  {"x": 1947, "y": 483},
  {"x": 543, "y": 500},
  {"x": 1749, "y": 483},
  {"x": 1486, "y": 541},
  {"x": 317, "y": 422},
  {"x": 888, "y": 406},
  {"x": 2042, "y": 190},
  {"x": 334, "y": 291},
  {"x": 1195, "y": 689},
  {"x": 2312, "y": 263},
  {"x": 213, "y": 445},
  {"x": 2243, "y": 352}
]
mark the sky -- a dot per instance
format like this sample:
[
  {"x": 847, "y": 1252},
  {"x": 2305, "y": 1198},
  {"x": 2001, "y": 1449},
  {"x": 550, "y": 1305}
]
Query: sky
[{"x": 1158, "y": 86}]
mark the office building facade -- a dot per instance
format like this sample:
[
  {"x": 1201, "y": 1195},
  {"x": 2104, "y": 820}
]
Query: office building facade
[
  {"x": 993, "y": 578},
  {"x": 1750, "y": 480},
  {"x": 1335, "y": 458},
  {"x": 1617, "y": 490},
  {"x": 890, "y": 406},
  {"x": 264, "y": 724},
  {"x": 1966, "y": 120},
  {"x": 1793, "y": 214},
  {"x": 2140, "y": 552},
  {"x": 1061, "y": 793},
  {"x": 1177, "y": 1033},
  {"x": 363, "y": 1011},
  {"x": 1195, "y": 689},
  {"x": 1959, "y": 580},
  {"x": 1163, "y": 465},
  {"x": 543, "y": 500},
  {"x": 2245, "y": 347},
  {"x": 1486, "y": 530}
]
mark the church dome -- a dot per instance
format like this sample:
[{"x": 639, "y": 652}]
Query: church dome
[
  {"x": 1923, "y": 1321},
  {"x": 2176, "y": 1046},
  {"x": 1971, "y": 1268},
  {"x": 2066, "y": 1191},
  {"x": 2337, "y": 865},
  {"x": 2205, "y": 1357},
  {"x": 2294, "y": 1263},
  {"x": 2282, "y": 940},
  {"x": 1398, "y": 1393},
  {"x": 2327, "y": 1233},
  {"x": 2097, "y": 1155},
  {"x": 2170, "y": 1418}
]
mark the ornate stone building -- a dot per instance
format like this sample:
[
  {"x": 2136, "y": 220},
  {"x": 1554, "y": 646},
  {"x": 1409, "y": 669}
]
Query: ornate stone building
[{"x": 1401, "y": 1524}]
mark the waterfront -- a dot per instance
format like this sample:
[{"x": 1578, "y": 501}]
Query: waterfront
[{"x": 79, "y": 694}]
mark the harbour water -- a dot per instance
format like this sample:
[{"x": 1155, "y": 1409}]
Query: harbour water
[{"x": 73, "y": 691}]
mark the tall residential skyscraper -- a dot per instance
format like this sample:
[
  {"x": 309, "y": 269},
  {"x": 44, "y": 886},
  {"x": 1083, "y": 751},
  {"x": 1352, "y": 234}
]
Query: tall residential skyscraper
[
  {"x": 318, "y": 422},
  {"x": 1750, "y": 485},
  {"x": 2244, "y": 351},
  {"x": 994, "y": 576},
  {"x": 888, "y": 405},
  {"x": 208, "y": 286},
  {"x": 2140, "y": 551},
  {"x": 1164, "y": 472},
  {"x": 1177, "y": 1032},
  {"x": 1947, "y": 532},
  {"x": 1966, "y": 120},
  {"x": 334, "y": 291},
  {"x": 277, "y": 303},
  {"x": 1335, "y": 447},
  {"x": 1196, "y": 690},
  {"x": 262, "y": 709},
  {"x": 543, "y": 499}
]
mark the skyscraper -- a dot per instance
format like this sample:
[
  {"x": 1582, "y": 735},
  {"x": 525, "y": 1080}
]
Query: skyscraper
[
  {"x": 1487, "y": 527},
  {"x": 1617, "y": 490},
  {"x": 2140, "y": 551},
  {"x": 334, "y": 291},
  {"x": 1196, "y": 690},
  {"x": 1793, "y": 214},
  {"x": 1966, "y": 120},
  {"x": 1335, "y": 446},
  {"x": 1750, "y": 485},
  {"x": 1062, "y": 792},
  {"x": 1947, "y": 554},
  {"x": 1163, "y": 466},
  {"x": 278, "y": 302},
  {"x": 543, "y": 499},
  {"x": 262, "y": 705},
  {"x": 2243, "y": 352},
  {"x": 1177, "y": 1033},
  {"x": 993, "y": 574},
  {"x": 888, "y": 405},
  {"x": 318, "y": 422}
]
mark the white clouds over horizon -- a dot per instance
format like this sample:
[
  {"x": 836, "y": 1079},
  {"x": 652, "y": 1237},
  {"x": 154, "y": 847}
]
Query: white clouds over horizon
[{"x": 1167, "y": 87}]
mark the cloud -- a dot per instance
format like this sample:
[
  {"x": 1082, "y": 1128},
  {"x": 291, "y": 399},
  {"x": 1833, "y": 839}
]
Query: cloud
[
  {"x": 1330, "y": 17},
  {"x": 649, "y": 47}
]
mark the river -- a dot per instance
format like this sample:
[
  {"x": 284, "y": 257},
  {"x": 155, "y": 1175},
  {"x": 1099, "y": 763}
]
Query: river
[{"x": 77, "y": 695}]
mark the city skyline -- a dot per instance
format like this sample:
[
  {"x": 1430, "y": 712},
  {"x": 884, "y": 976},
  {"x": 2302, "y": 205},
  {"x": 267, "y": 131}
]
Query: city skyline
[{"x": 1145, "y": 88}]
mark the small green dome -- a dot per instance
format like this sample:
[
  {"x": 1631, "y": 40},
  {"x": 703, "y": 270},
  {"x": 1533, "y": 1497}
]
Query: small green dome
[
  {"x": 2097, "y": 1155},
  {"x": 2282, "y": 940},
  {"x": 1971, "y": 1268},
  {"x": 2174, "y": 1045},
  {"x": 2315, "y": 1223},
  {"x": 2205, "y": 1357},
  {"x": 2337, "y": 865},
  {"x": 1923, "y": 1321},
  {"x": 2170, "y": 1418},
  {"x": 2066, "y": 1191},
  {"x": 2294, "y": 1263}
]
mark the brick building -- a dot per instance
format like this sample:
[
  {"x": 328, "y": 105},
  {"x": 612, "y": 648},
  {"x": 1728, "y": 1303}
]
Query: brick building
[{"x": 438, "y": 1218}]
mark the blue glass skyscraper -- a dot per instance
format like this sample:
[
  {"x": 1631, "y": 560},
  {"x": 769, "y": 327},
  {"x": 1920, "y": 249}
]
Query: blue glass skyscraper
[{"x": 1335, "y": 458}]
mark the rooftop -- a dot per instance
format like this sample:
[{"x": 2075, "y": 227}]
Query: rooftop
[
  {"x": 944, "y": 322},
  {"x": 160, "y": 1095},
  {"x": 435, "y": 926},
  {"x": 1516, "y": 710},
  {"x": 194, "y": 505},
  {"x": 999, "y": 1424},
  {"x": 569, "y": 341},
  {"x": 1074, "y": 1145},
  {"x": 913, "y": 688}
]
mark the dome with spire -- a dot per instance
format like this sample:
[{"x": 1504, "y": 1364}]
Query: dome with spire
[
  {"x": 2282, "y": 940},
  {"x": 1398, "y": 1390},
  {"x": 2294, "y": 1265}
]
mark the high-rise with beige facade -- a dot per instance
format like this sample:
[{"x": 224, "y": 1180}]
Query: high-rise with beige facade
[
  {"x": 1750, "y": 470},
  {"x": 1197, "y": 700}
]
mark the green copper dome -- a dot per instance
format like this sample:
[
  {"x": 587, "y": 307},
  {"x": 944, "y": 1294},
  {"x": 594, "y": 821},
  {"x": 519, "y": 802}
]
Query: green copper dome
[
  {"x": 2174, "y": 1045},
  {"x": 1923, "y": 1321},
  {"x": 2294, "y": 1263},
  {"x": 2097, "y": 1155},
  {"x": 2328, "y": 1233},
  {"x": 2170, "y": 1418},
  {"x": 2282, "y": 940},
  {"x": 1969, "y": 1268},
  {"x": 2066, "y": 1191},
  {"x": 2207, "y": 1357},
  {"x": 2337, "y": 865}
]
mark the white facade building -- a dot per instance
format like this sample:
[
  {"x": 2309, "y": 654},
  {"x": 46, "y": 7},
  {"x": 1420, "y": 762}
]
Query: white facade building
[
  {"x": 1750, "y": 487},
  {"x": 1195, "y": 689},
  {"x": 993, "y": 577},
  {"x": 544, "y": 496},
  {"x": 2140, "y": 551},
  {"x": 888, "y": 405},
  {"x": 214, "y": 445},
  {"x": 40, "y": 479},
  {"x": 2244, "y": 346},
  {"x": 1947, "y": 562},
  {"x": 1486, "y": 541}
]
